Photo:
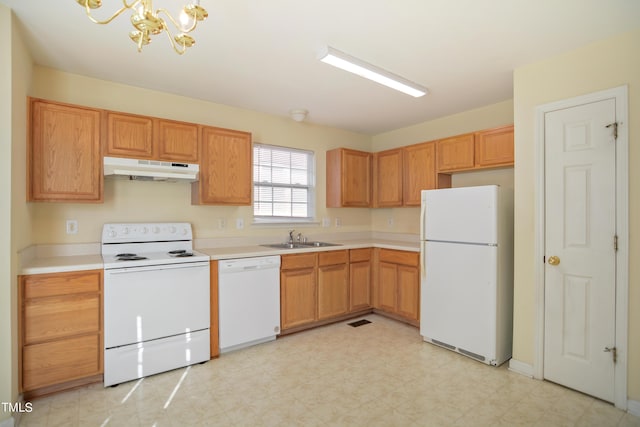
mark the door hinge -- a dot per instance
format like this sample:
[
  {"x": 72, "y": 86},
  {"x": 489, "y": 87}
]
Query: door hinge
[
  {"x": 613, "y": 351},
  {"x": 614, "y": 125},
  {"x": 615, "y": 243}
]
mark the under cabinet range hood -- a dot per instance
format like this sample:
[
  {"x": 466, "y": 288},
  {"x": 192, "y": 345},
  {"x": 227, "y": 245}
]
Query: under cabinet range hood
[{"x": 150, "y": 170}]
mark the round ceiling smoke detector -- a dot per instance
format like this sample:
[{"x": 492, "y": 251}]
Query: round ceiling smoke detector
[{"x": 298, "y": 115}]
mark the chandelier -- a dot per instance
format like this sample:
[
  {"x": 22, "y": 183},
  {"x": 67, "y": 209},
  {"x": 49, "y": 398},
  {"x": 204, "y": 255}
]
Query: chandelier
[{"x": 149, "y": 22}]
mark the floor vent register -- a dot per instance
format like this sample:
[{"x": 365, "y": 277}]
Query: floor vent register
[{"x": 358, "y": 323}]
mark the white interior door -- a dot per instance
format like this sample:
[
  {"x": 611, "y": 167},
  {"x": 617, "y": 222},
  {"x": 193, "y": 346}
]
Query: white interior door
[{"x": 580, "y": 225}]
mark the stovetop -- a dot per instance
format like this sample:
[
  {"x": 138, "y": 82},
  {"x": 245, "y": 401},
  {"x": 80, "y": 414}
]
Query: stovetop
[
  {"x": 147, "y": 244},
  {"x": 140, "y": 259}
]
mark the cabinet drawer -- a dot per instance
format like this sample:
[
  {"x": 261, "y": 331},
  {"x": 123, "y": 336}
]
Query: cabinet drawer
[
  {"x": 57, "y": 317},
  {"x": 291, "y": 262},
  {"x": 46, "y": 285},
  {"x": 399, "y": 257},
  {"x": 358, "y": 255},
  {"x": 60, "y": 361},
  {"x": 333, "y": 257}
]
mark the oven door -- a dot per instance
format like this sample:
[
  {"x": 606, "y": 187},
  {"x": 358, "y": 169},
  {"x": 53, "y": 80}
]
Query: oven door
[{"x": 146, "y": 303}]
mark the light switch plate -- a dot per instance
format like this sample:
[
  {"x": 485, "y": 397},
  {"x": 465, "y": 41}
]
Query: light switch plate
[{"x": 72, "y": 226}]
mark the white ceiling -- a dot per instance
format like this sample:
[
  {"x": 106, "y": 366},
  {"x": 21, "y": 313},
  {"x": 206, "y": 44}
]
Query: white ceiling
[{"x": 262, "y": 55}]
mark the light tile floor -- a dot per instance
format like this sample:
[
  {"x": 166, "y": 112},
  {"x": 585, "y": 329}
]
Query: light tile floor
[{"x": 379, "y": 374}]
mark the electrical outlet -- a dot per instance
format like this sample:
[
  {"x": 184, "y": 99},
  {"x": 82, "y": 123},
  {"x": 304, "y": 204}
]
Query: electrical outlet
[
  {"x": 390, "y": 222},
  {"x": 72, "y": 226},
  {"x": 326, "y": 222},
  {"x": 222, "y": 223},
  {"x": 239, "y": 223},
  {"x": 338, "y": 221}
]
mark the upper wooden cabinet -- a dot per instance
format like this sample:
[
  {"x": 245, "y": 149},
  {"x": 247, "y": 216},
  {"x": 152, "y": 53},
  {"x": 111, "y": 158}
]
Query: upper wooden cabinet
[
  {"x": 455, "y": 153},
  {"x": 142, "y": 137},
  {"x": 176, "y": 141},
  {"x": 494, "y": 147},
  {"x": 348, "y": 178},
  {"x": 225, "y": 168},
  {"x": 387, "y": 177},
  {"x": 490, "y": 148},
  {"x": 419, "y": 171},
  {"x": 64, "y": 159},
  {"x": 129, "y": 135}
]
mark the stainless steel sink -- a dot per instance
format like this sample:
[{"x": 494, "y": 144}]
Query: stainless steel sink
[
  {"x": 300, "y": 245},
  {"x": 320, "y": 244}
]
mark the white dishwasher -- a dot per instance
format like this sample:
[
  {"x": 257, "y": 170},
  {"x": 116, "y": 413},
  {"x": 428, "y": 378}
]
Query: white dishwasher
[{"x": 249, "y": 300}]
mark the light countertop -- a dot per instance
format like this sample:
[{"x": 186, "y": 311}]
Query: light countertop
[{"x": 60, "y": 264}]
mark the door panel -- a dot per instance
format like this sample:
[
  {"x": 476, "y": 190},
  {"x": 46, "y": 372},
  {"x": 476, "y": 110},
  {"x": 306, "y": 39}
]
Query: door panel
[{"x": 580, "y": 227}]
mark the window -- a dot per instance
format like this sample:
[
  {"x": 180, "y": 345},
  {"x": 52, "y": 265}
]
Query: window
[{"x": 283, "y": 184}]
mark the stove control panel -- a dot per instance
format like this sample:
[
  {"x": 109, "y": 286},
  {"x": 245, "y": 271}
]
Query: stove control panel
[{"x": 146, "y": 232}]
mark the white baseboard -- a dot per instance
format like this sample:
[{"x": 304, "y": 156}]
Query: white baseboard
[
  {"x": 633, "y": 407},
  {"x": 521, "y": 368},
  {"x": 7, "y": 423}
]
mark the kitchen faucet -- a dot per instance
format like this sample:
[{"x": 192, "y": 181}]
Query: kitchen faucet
[{"x": 291, "y": 236}]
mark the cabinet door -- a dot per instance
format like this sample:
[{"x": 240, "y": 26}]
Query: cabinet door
[
  {"x": 333, "y": 290},
  {"x": 65, "y": 162},
  {"x": 129, "y": 135},
  {"x": 408, "y": 282},
  {"x": 360, "y": 285},
  {"x": 57, "y": 317},
  {"x": 455, "y": 153},
  {"x": 225, "y": 168},
  {"x": 177, "y": 141},
  {"x": 60, "y": 361},
  {"x": 419, "y": 171},
  {"x": 348, "y": 178},
  {"x": 494, "y": 147},
  {"x": 387, "y": 287},
  {"x": 388, "y": 178},
  {"x": 297, "y": 297}
]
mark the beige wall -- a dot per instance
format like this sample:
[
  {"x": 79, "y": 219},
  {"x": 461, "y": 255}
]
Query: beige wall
[
  {"x": 602, "y": 65},
  {"x": 406, "y": 220},
  {"x": 15, "y": 227},
  {"x": 155, "y": 201},
  {"x": 6, "y": 371}
]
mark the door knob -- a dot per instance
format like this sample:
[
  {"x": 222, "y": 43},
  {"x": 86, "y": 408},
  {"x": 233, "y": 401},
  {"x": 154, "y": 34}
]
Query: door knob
[{"x": 554, "y": 260}]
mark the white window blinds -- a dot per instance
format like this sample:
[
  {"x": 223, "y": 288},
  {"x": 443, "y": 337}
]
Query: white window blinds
[{"x": 283, "y": 183}]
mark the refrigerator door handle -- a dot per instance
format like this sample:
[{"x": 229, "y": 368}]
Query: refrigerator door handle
[
  {"x": 423, "y": 254},
  {"x": 423, "y": 210}
]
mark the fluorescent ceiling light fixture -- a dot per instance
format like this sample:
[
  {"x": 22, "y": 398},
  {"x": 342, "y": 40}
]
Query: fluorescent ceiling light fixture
[{"x": 356, "y": 66}]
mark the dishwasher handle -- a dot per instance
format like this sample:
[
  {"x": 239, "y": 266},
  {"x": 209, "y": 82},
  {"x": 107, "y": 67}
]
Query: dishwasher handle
[{"x": 248, "y": 264}]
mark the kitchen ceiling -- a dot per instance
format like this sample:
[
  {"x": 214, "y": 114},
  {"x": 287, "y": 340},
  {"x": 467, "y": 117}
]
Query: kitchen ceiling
[{"x": 262, "y": 55}]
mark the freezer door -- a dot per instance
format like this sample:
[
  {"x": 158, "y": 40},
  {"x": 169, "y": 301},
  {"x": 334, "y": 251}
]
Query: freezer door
[
  {"x": 465, "y": 214},
  {"x": 458, "y": 296}
]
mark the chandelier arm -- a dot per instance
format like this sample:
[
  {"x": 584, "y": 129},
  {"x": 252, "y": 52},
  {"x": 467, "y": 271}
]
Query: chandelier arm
[
  {"x": 173, "y": 42},
  {"x": 119, "y": 12},
  {"x": 178, "y": 26}
]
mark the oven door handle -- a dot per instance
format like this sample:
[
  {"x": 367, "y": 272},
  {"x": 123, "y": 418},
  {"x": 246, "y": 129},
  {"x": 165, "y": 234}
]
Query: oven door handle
[{"x": 126, "y": 270}]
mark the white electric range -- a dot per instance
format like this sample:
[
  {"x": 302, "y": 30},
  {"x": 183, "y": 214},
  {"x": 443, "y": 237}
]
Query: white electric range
[{"x": 156, "y": 300}]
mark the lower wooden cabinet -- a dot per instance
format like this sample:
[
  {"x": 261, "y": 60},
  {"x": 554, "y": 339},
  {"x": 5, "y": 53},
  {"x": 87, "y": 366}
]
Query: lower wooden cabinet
[
  {"x": 318, "y": 287},
  {"x": 60, "y": 330},
  {"x": 398, "y": 284},
  {"x": 333, "y": 284},
  {"x": 297, "y": 290},
  {"x": 360, "y": 275}
]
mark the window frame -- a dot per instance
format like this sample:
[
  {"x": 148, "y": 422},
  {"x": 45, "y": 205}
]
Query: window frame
[{"x": 310, "y": 187}]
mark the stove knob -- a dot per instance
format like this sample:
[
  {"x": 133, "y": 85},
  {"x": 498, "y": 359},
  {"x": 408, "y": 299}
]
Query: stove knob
[
  {"x": 155, "y": 229},
  {"x": 172, "y": 230},
  {"x": 112, "y": 233},
  {"x": 125, "y": 230},
  {"x": 143, "y": 230},
  {"x": 185, "y": 231}
]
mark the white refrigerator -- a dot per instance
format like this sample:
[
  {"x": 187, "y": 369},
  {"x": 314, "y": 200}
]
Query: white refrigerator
[{"x": 466, "y": 293}]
